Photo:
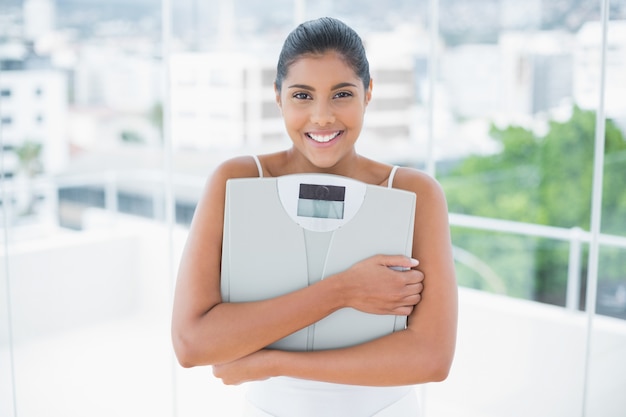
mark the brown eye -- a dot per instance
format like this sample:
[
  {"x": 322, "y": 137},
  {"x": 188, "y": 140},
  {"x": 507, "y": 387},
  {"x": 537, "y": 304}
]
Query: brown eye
[
  {"x": 343, "y": 94},
  {"x": 301, "y": 96}
]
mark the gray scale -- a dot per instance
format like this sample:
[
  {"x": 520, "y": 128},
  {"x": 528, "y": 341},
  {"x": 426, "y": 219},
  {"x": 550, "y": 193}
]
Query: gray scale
[{"x": 285, "y": 233}]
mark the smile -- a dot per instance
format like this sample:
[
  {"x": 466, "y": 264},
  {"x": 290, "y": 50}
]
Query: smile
[{"x": 323, "y": 138}]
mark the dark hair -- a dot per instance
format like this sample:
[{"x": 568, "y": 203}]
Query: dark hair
[{"x": 322, "y": 35}]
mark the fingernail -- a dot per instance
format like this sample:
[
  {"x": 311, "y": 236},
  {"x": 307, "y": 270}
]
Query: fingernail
[{"x": 414, "y": 262}]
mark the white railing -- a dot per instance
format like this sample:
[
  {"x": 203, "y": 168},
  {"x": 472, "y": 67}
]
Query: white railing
[
  {"x": 575, "y": 236},
  {"x": 156, "y": 181}
]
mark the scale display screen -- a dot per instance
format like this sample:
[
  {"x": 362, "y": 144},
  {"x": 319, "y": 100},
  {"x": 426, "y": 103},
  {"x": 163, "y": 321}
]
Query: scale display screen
[{"x": 321, "y": 201}]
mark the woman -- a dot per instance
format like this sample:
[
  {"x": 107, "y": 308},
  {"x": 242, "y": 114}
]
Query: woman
[{"x": 323, "y": 88}]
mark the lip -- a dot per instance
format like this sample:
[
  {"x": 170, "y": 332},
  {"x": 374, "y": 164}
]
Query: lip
[{"x": 324, "y": 137}]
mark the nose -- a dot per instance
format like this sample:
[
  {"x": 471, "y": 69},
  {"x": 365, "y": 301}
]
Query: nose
[{"x": 322, "y": 114}]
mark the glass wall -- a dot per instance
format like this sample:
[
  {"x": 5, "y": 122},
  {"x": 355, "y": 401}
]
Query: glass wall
[
  {"x": 522, "y": 91},
  {"x": 86, "y": 253},
  {"x": 114, "y": 113},
  {"x": 606, "y": 341}
]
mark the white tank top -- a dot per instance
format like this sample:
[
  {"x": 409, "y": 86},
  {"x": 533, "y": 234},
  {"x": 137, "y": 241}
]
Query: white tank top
[{"x": 291, "y": 397}]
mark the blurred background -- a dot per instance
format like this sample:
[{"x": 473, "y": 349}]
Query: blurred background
[{"x": 113, "y": 114}]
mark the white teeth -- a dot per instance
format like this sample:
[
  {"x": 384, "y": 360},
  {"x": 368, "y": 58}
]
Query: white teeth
[{"x": 323, "y": 138}]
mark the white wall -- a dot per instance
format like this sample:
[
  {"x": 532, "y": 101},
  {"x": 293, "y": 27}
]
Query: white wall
[{"x": 37, "y": 106}]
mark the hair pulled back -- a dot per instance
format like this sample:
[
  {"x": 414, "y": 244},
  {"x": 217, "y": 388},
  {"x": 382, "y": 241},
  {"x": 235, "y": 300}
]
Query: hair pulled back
[{"x": 319, "y": 36}]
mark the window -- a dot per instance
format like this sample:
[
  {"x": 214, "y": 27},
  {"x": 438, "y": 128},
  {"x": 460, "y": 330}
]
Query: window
[{"x": 510, "y": 110}]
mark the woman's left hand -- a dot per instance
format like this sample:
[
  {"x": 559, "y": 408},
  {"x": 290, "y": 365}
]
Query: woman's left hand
[{"x": 254, "y": 367}]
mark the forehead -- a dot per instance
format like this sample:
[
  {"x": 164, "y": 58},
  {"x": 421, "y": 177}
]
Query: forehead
[{"x": 321, "y": 68}]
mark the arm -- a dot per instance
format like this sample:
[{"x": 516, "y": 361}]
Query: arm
[
  {"x": 421, "y": 353},
  {"x": 207, "y": 331}
]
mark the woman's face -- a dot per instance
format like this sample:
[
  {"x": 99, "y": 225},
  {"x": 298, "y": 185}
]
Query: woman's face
[{"x": 323, "y": 102}]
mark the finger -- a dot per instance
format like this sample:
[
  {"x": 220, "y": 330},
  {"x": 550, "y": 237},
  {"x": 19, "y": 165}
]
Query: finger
[
  {"x": 404, "y": 310},
  {"x": 409, "y": 303},
  {"x": 399, "y": 260},
  {"x": 411, "y": 299},
  {"x": 415, "y": 288},
  {"x": 413, "y": 277}
]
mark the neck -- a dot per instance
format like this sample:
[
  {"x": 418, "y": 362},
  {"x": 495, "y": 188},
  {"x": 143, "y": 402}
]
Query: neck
[{"x": 296, "y": 162}]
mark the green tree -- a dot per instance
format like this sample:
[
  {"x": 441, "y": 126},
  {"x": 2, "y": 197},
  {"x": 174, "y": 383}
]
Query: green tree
[
  {"x": 155, "y": 115},
  {"x": 131, "y": 136},
  {"x": 29, "y": 156},
  {"x": 544, "y": 180}
]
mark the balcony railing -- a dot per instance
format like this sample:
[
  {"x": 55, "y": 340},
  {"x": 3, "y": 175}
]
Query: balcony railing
[{"x": 154, "y": 186}]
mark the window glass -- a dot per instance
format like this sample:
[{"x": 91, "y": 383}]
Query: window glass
[
  {"x": 518, "y": 94},
  {"x": 606, "y": 365},
  {"x": 96, "y": 197},
  {"x": 520, "y": 97},
  {"x": 85, "y": 259}
]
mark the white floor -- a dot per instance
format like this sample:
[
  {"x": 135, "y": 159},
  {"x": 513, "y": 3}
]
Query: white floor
[
  {"x": 514, "y": 358},
  {"x": 120, "y": 369}
]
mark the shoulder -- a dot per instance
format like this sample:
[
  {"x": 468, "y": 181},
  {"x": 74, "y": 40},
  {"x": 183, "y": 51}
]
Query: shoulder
[
  {"x": 211, "y": 204},
  {"x": 422, "y": 184},
  {"x": 237, "y": 167},
  {"x": 412, "y": 179}
]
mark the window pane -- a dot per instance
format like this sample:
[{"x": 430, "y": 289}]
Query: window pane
[
  {"x": 608, "y": 333},
  {"x": 87, "y": 254},
  {"x": 515, "y": 139}
]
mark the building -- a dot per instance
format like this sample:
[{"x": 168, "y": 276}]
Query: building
[
  {"x": 125, "y": 79},
  {"x": 587, "y": 69},
  {"x": 39, "y": 18},
  {"x": 222, "y": 100},
  {"x": 33, "y": 108},
  {"x": 227, "y": 100},
  {"x": 523, "y": 74}
]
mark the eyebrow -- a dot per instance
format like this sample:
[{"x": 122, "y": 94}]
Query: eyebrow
[{"x": 335, "y": 87}]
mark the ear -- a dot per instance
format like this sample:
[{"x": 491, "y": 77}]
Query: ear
[
  {"x": 278, "y": 100},
  {"x": 368, "y": 92}
]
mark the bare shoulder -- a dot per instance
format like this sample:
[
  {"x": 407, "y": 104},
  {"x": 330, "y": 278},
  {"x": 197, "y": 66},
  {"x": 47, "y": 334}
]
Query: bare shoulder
[
  {"x": 237, "y": 167},
  {"x": 419, "y": 182}
]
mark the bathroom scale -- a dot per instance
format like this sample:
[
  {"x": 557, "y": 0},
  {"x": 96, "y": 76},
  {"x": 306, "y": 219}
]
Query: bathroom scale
[{"x": 284, "y": 233}]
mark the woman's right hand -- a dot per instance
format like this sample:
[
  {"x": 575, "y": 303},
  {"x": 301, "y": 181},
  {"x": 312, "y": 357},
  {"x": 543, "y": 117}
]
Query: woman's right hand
[{"x": 372, "y": 286}]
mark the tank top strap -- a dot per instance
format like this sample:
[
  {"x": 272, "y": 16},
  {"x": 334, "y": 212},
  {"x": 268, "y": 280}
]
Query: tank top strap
[
  {"x": 258, "y": 165},
  {"x": 391, "y": 176}
]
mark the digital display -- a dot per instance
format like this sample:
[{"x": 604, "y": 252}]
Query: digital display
[{"x": 321, "y": 201}]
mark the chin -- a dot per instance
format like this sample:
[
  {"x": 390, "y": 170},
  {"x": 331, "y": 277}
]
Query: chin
[{"x": 324, "y": 163}]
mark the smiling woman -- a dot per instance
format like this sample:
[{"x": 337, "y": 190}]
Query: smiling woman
[{"x": 323, "y": 89}]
